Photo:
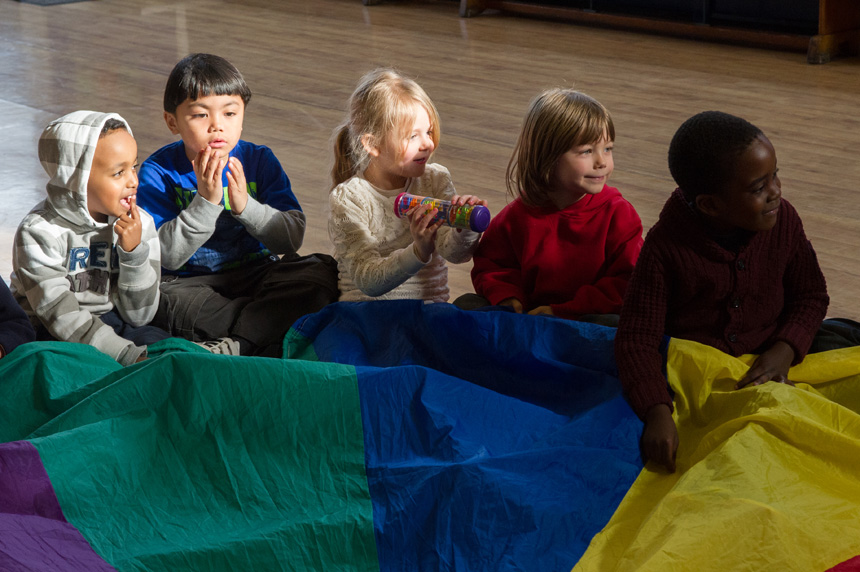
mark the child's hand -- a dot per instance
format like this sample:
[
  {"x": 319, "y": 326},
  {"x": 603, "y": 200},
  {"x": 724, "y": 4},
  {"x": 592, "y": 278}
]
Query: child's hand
[
  {"x": 129, "y": 228},
  {"x": 546, "y": 310},
  {"x": 423, "y": 230},
  {"x": 237, "y": 188},
  {"x": 660, "y": 437},
  {"x": 772, "y": 365},
  {"x": 513, "y": 303},
  {"x": 208, "y": 167},
  {"x": 459, "y": 201}
]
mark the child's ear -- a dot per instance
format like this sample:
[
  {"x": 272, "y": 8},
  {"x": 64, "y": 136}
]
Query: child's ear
[
  {"x": 367, "y": 143},
  {"x": 170, "y": 119},
  {"x": 709, "y": 204}
]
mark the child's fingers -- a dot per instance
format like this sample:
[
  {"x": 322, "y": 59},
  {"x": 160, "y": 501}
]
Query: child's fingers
[
  {"x": 414, "y": 210},
  {"x": 461, "y": 200},
  {"x": 210, "y": 166},
  {"x": 427, "y": 219},
  {"x": 661, "y": 453},
  {"x": 469, "y": 199},
  {"x": 753, "y": 378},
  {"x": 670, "y": 460},
  {"x": 420, "y": 213},
  {"x": 202, "y": 160},
  {"x": 236, "y": 167},
  {"x": 216, "y": 169},
  {"x": 134, "y": 212}
]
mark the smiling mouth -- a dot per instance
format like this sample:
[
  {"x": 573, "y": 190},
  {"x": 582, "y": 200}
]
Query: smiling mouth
[
  {"x": 772, "y": 211},
  {"x": 126, "y": 202},
  {"x": 422, "y": 161}
]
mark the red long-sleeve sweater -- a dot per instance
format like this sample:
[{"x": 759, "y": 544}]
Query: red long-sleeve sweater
[
  {"x": 577, "y": 260},
  {"x": 686, "y": 285}
]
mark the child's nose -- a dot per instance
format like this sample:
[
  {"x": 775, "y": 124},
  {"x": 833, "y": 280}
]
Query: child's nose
[
  {"x": 427, "y": 143},
  {"x": 775, "y": 189},
  {"x": 775, "y": 192}
]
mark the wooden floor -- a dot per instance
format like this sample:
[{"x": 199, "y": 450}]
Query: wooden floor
[{"x": 302, "y": 59}]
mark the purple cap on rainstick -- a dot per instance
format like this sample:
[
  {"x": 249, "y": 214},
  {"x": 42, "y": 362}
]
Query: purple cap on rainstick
[{"x": 480, "y": 219}]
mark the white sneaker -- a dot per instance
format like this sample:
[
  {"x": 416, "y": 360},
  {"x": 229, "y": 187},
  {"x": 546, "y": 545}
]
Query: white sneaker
[{"x": 223, "y": 346}]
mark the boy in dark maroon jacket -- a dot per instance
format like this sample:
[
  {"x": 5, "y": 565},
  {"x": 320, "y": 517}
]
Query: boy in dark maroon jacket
[{"x": 727, "y": 265}]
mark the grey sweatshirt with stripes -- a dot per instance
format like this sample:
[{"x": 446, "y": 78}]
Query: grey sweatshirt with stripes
[{"x": 68, "y": 268}]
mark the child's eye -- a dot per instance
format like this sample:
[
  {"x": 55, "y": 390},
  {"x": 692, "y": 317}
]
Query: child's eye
[
  {"x": 118, "y": 173},
  {"x": 608, "y": 149},
  {"x": 198, "y": 116},
  {"x": 230, "y": 113}
]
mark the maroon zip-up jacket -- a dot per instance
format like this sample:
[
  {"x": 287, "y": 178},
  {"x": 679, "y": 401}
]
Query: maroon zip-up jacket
[{"x": 686, "y": 285}]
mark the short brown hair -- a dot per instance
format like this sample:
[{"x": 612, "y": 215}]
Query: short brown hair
[{"x": 557, "y": 121}]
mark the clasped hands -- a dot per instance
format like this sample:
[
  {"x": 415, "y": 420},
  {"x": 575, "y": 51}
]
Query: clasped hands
[{"x": 209, "y": 167}]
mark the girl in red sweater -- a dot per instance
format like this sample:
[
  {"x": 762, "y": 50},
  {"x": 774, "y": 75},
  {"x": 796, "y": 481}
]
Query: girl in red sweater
[{"x": 567, "y": 244}]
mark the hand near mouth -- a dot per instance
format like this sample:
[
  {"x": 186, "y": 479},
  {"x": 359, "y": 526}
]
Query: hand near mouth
[
  {"x": 128, "y": 227},
  {"x": 237, "y": 188},
  {"x": 209, "y": 167}
]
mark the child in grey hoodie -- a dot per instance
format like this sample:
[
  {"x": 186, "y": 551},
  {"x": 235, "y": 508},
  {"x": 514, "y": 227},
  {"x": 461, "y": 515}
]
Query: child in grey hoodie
[{"x": 87, "y": 260}]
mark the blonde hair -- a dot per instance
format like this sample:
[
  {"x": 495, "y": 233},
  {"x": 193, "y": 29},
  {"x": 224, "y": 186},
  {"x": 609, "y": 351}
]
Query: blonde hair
[
  {"x": 383, "y": 105},
  {"x": 557, "y": 121}
]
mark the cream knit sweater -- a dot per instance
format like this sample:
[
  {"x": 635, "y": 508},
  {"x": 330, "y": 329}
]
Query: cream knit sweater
[{"x": 373, "y": 247}]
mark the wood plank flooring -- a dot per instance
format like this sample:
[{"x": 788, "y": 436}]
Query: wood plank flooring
[{"x": 303, "y": 58}]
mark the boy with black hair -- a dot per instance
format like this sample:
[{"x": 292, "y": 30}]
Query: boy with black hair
[
  {"x": 87, "y": 259},
  {"x": 225, "y": 209},
  {"x": 727, "y": 264}
]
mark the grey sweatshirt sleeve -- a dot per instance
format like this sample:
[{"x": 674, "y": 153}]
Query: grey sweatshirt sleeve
[
  {"x": 282, "y": 232},
  {"x": 182, "y": 236},
  {"x": 39, "y": 265},
  {"x": 139, "y": 277}
]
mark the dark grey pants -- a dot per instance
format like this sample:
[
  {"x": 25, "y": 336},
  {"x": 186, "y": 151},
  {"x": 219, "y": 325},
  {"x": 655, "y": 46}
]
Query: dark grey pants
[
  {"x": 139, "y": 335},
  {"x": 257, "y": 304},
  {"x": 834, "y": 334}
]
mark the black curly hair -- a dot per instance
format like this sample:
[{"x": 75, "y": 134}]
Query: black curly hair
[
  {"x": 112, "y": 125},
  {"x": 702, "y": 150}
]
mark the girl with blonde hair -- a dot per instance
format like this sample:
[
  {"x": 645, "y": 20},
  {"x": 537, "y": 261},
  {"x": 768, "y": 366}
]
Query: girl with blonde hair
[{"x": 384, "y": 148}]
